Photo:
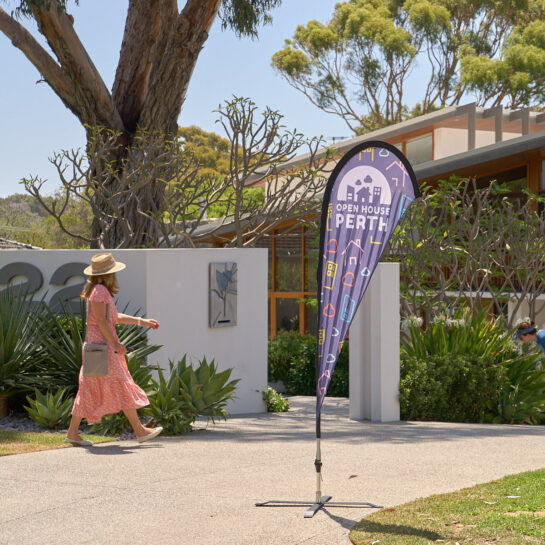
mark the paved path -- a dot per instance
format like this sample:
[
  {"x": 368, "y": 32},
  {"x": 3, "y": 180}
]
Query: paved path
[{"x": 200, "y": 489}]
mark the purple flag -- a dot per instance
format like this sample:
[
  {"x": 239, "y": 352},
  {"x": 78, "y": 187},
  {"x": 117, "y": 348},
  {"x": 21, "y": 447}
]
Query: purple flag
[{"x": 367, "y": 194}]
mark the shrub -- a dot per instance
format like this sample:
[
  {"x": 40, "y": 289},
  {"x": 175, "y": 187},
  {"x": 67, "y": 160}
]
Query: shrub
[
  {"x": 276, "y": 402},
  {"x": 188, "y": 393},
  {"x": 450, "y": 387},
  {"x": 466, "y": 368},
  {"x": 301, "y": 378},
  {"x": 52, "y": 411},
  {"x": 282, "y": 351}
]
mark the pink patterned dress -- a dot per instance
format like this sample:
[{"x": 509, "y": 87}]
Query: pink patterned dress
[{"x": 98, "y": 396}]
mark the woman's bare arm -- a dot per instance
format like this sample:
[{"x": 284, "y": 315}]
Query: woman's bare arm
[{"x": 134, "y": 320}]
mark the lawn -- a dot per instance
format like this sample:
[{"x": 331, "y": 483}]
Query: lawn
[
  {"x": 509, "y": 511},
  {"x": 18, "y": 442}
]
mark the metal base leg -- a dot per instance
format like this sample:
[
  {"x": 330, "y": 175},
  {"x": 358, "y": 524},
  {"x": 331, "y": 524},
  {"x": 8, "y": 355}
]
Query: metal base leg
[{"x": 315, "y": 507}]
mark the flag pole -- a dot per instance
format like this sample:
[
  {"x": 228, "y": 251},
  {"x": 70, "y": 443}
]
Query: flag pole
[
  {"x": 318, "y": 460},
  {"x": 320, "y": 500}
]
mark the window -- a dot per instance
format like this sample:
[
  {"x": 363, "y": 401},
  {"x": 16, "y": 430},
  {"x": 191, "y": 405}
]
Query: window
[
  {"x": 419, "y": 150},
  {"x": 288, "y": 255}
]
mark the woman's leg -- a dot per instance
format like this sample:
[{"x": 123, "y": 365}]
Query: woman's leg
[
  {"x": 134, "y": 421},
  {"x": 72, "y": 432}
]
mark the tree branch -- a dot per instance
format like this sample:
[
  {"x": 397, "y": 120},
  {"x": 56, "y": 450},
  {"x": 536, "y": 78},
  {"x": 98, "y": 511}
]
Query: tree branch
[
  {"x": 90, "y": 93},
  {"x": 52, "y": 73}
]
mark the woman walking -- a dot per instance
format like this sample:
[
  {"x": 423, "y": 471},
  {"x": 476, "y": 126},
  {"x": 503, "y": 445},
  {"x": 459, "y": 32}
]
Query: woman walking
[{"x": 101, "y": 395}]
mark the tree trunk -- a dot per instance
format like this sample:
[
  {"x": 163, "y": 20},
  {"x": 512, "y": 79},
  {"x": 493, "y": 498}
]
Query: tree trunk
[{"x": 158, "y": 54}]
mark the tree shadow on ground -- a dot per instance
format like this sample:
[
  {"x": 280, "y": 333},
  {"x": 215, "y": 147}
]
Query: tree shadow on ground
[{"x": 372, "y": 527}]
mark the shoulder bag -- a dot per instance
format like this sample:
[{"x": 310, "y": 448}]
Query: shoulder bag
[{"x": 95, "y": 355}]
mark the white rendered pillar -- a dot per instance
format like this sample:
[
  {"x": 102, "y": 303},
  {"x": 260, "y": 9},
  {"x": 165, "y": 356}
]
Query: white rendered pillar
[{"x": 374, "y": 349}]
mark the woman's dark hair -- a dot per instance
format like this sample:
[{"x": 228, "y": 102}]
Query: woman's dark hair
[{"x": 527, "y": 326}]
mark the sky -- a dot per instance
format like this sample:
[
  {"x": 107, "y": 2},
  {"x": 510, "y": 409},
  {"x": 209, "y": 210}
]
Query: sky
[{"x": 34, "y": 123}]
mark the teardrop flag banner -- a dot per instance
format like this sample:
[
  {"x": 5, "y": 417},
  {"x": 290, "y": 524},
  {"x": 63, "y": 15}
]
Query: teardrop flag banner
[{"x": 367, "y": 194}]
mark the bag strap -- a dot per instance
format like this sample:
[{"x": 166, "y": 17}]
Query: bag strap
[{"x": 88, "y": 306}]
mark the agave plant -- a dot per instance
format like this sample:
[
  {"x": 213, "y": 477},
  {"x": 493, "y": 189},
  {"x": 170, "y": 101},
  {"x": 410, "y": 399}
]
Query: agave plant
[
  {"x": 63, "y": 336},
  {"x": 188, "y": 393},
  {"x": 19, "y": 340},
  {"x": 50, "y": 410},
  {"x": 170, "y": 406},
  {"x": 207, "y": 390}
]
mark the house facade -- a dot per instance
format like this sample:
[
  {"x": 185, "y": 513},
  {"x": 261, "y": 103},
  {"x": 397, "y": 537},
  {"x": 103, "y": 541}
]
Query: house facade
[{"x": 466, "y": 141}]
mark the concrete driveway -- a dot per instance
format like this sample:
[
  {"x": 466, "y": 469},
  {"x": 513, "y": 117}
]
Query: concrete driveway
[{"x": 201, "y": 488}]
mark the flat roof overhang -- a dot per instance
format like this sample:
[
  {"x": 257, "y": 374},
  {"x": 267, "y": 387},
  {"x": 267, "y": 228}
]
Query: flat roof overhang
[{"x": 485, "y": 160}]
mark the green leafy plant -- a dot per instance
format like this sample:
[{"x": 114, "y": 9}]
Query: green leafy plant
[
  {"x": 112, "y": 424},
  {"x": 302, "y": 375},
  {"x": 466, "y": 368},
  {"x": 169, "y": 405},
  {"x": 523, "y": 397},
  {"x": 276, "y": 402},
  {"x": 142, "y": 372},
  {"x": 50, "y": 410},
  {"x": 207, "y": 389},
  {"x": 188, "y": 393},
  {"x": 463, "y": 333},
  {"x": 19, "y": 340},
  {"x": 282, "y": 351}
]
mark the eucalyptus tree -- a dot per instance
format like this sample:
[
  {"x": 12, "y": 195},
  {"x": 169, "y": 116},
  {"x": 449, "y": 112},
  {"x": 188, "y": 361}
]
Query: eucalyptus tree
[
  {"x": 359, "y": 64},
  {"x": 160, "y": 48}
]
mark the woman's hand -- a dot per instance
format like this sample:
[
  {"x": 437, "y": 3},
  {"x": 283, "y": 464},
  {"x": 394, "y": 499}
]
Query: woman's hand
[
  {"x": 119, "y": 348},
  {"x": 154, "y": 324}
]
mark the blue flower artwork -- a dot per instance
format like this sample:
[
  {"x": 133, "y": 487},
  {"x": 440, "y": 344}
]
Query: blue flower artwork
[{"x": 223, "y": 294}]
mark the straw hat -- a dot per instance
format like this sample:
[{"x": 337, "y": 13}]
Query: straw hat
[{"x": 103, "y": 264}]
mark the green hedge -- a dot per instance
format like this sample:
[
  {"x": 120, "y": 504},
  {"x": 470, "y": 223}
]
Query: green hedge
[
  {"x": 292, "y": 359},
  {"x": 450, "y": 388}
]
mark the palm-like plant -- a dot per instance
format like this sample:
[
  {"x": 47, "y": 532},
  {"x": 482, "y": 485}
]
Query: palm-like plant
[{"x": 19, "y": 340}]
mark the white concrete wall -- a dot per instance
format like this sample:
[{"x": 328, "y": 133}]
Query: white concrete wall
[
  {"x": 450, "y": 141},
  {"x": 172, "y": 286},
  {"x": 523, "y": 311},
  {"x": 374, "y": 349}
]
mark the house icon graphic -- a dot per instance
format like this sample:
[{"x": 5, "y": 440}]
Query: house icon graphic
[{"x": 353, "y": 253}]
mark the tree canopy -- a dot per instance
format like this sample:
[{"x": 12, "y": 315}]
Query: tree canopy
[{"x": 358, "y": 64}]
